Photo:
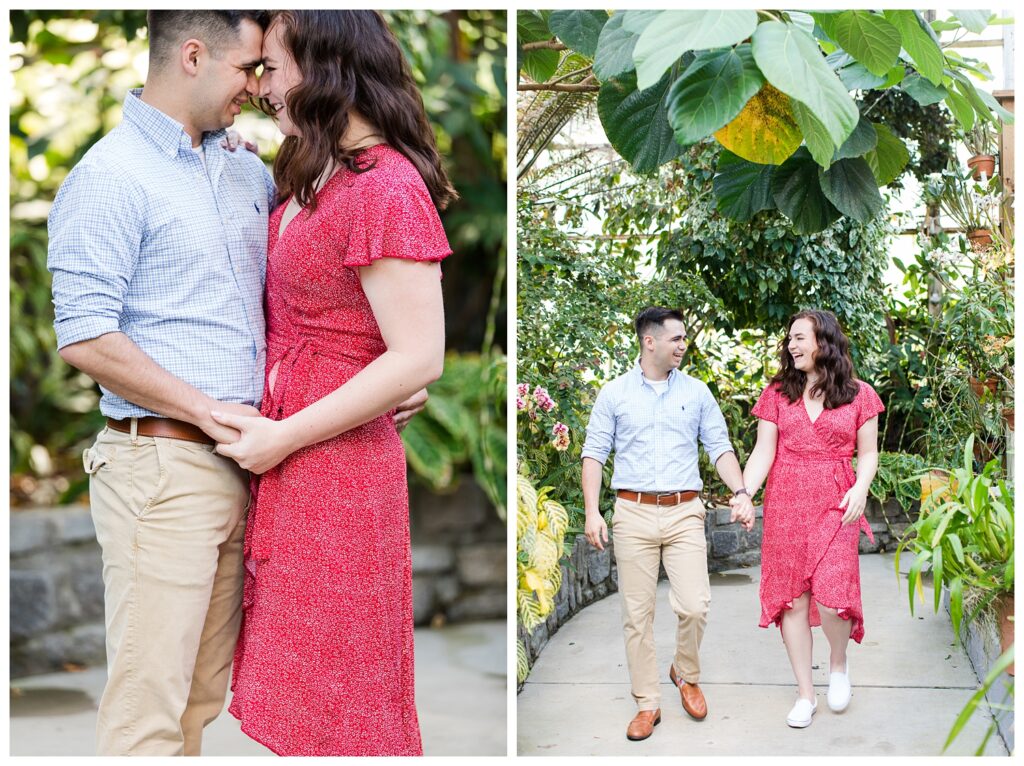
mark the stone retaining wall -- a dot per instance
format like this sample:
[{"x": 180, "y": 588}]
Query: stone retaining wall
[
  {"x": 588, "y": 575},
  {"x": 56, "y": 588}
]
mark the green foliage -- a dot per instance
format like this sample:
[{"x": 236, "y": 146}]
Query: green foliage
[
  {"x": 995, "y": 673},
  {"x": 463, "y": 424},
  {"x": 964, "y": 535},
  {"x": 761, "y": 76},
  {"x": 541, "y": 524}
]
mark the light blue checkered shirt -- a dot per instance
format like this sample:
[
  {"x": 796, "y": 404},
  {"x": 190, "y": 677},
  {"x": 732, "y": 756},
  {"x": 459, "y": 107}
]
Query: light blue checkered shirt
[
  {"x": 654, "y": 436},
  {"x": 146, "y": 240}
]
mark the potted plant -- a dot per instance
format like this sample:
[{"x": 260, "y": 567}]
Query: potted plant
[
  {"x": 972, "y": 205},
  {"x": 981, "y": 143},
  {"x": 964, "y": 537}
]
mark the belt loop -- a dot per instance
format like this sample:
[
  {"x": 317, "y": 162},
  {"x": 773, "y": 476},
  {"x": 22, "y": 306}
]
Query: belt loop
[{"x": 135, "y": 432}]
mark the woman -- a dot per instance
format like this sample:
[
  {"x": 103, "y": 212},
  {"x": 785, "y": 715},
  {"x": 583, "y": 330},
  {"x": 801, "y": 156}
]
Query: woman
[
  {"x": 355, "y": 323},
  {"x": 813, "y": 414}
]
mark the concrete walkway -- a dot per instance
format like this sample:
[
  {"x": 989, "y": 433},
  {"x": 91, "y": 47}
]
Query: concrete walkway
[
  {"x": 460, "y": 698},
  {"x": 909, "y": 682}
]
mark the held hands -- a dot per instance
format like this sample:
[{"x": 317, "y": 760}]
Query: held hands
[
  {"x": 742, "y": 511},
  {"x": 409, "y": 408},
  {"x": 222, "y": 433},
  {"x": 596, "y": 530},
  {"x": 263, "y": 443},
  {"x": 854, "y": 501}
]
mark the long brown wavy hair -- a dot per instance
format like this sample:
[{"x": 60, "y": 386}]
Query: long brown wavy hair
[
  {"x": 837, "y": 381},
  {"x": 350, "y": 60}
]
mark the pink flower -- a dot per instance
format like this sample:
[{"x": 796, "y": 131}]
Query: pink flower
[
  {"x": 520, "y": 403},
  {"x": 523, "y": 390},
  {"x": 560, "y": 428},
  {"x": 544, "y": 401}
]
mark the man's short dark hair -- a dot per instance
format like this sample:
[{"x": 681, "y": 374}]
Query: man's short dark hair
[
  {"x": 217, "y": 29},
  {"x": 651, "y": 316}
]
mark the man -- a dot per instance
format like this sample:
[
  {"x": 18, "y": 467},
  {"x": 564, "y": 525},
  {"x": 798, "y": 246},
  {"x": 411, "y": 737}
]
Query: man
[
  {"x": 158, "y": 244},
  {"x": 652, "y": 418}
]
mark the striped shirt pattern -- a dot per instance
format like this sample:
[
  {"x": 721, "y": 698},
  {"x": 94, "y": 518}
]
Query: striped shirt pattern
[
  {"x": 147, "y": 240},
  {"x": 654, "y": 436}
]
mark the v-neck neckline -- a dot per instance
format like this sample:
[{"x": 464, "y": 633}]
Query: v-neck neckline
[{"x": 812, "y": 421}]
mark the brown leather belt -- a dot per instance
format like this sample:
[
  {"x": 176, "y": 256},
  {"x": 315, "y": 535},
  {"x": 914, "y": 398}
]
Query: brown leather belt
[
  {"x": 657, "y": 498},
  {"x": 172, "y": 429}
]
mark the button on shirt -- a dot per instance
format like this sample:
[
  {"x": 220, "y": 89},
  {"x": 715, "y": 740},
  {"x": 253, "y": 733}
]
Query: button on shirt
[
  {"x": 654, "y": 436},
  {"x": 148, "y": 240}
]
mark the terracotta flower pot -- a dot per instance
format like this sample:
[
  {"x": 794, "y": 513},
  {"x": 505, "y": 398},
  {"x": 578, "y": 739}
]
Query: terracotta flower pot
[
  {"x": 1008, "y": 417},
  {"x": 1006, "y": 624},
  {"x": 980, "y": 239},
  {"x": 982, "y": 163},
  {"x": 991, "y": 384}
]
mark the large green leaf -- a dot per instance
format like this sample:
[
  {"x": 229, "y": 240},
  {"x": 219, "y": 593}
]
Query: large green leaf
[
  {"x": 961, "y": 109},
  {"x": 922, "y": 91},
  {"x": 614, "y": 48},
  {"x": 531, "y": 28},
  {"x": 539, "y": 65},
  {"x": 974, "y": 21},
  {"x": 637, "y": 21},
  {"x": 797, "y": 193},
  {"x": 742, "y": 188},
  {"x": 673, "y": 33},
  {"x": 1001, "y": 112},
  {"x": 712, "y": 92},
  {"x": 791, "y": 60},
  {"x": 427, "y": 448},
  {"x": 636, "y": 122},
  {"x": 889, "y": 156},
  {"x": 765, "y": 131},
  {"x": 579, "y": 30},
  {"x": 816, "y": 136},
  {"x": 860, "y": 142},
  {"x": 870, "y": 39},
  {"x": 919, "y": 42},
  {"x": 968, "y": 91},
  {"x": 857, "y": 77},
  {"x": 851, "y": 187}
]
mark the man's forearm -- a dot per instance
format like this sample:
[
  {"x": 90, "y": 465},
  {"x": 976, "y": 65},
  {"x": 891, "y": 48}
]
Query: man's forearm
[
  {"x": 592, "y": 471},
  {"x": 728, "y": 468},
  {"x": 116, "y": 363}
]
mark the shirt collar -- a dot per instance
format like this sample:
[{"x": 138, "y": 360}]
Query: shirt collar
[
  {"x": 639, "y": 372},
  {"x": 165, "y": 132}
]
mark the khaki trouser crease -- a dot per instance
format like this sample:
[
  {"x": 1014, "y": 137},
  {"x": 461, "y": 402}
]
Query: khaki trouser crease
[
  {"x": 646, "y": 536},
  {"x": 170, "y": 520}
]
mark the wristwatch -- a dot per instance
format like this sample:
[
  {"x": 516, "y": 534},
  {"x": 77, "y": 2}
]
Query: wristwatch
[{"x": 741, "y": 491}]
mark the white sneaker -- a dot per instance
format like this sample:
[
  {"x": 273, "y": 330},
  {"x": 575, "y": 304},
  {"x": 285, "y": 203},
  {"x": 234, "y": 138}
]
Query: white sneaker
[
  {"x": 839, "y": 691},
  {"x": 800, "y": 716}
]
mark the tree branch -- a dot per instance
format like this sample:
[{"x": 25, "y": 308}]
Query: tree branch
[
  {"x": 544, "y": 45},
  {"x": 587, "y": 86}
]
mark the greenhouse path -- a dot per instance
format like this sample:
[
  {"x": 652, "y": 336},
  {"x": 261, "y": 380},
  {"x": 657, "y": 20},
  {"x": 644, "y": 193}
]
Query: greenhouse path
[
  {"x": 909, "y": 682},
  {"x": 56, "y": 714}
]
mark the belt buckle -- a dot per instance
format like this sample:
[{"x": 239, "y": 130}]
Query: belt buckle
[{"x": 660, "y": 495}]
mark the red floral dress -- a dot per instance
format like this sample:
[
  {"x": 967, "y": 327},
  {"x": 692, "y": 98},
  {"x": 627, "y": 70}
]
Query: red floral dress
[
  {"x": 324, "y": 663},
  {"x": 805, "y": 546}
]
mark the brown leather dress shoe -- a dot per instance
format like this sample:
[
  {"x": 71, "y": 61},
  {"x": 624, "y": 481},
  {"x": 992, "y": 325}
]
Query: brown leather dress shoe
[
  {"x": 643, "y": 725},
  {"x": 693, "y": 698}
]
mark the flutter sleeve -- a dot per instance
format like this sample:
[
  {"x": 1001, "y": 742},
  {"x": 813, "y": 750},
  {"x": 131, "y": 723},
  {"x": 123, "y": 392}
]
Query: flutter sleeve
[
  {"x": 399, "y": 221},
  {"x": 767, "y": 407},
  {"x": 869, "y": 404}
]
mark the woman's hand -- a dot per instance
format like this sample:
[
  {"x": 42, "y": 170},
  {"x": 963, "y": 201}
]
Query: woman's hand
[
  {"x": 263, "y": 443},
  {"x": 854, "y": 501},
  {"x": 234, "y": 139}
]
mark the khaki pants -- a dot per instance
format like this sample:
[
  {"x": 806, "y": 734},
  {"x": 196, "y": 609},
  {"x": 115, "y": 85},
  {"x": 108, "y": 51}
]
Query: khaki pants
[
  {"x": 170, "y": 519},
  {"x": 646, "y": 535}
]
